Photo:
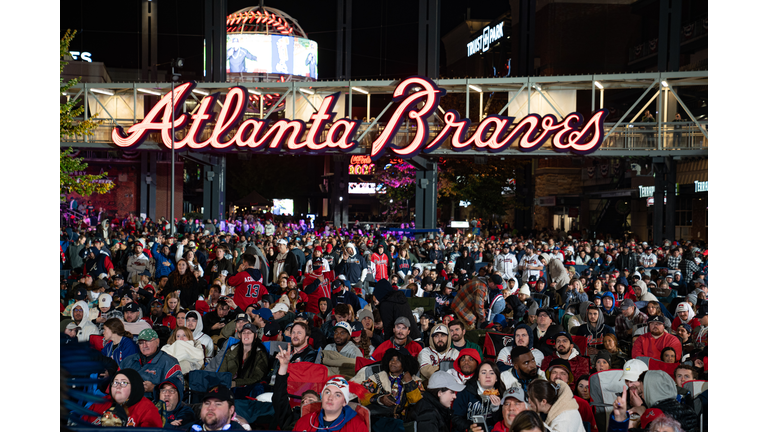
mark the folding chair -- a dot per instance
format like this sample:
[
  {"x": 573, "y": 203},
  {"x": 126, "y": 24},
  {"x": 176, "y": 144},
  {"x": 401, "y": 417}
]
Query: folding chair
[{"x": 603, "y": 387}]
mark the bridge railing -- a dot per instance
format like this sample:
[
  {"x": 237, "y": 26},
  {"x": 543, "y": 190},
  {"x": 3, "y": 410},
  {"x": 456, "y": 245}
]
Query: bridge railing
[{"x": 634, "y": 136}]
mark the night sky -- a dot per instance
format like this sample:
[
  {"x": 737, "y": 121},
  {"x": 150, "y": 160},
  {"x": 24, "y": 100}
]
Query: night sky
[{"x": 384, "y": 38}]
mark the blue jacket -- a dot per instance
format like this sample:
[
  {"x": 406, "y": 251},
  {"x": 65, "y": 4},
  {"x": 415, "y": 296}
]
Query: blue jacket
[
  {"x": 123, "y": 350},
  {"x": 160, "y": 269},
  {"x": 162, "y": 367}
]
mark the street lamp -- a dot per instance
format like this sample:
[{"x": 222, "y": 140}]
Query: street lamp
[{"x": 175, "y": 63}]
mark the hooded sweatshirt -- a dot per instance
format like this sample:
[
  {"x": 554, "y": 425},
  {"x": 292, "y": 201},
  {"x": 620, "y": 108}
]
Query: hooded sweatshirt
[
  {"x": 87, "y": 328},
  {"x": 182, "y": 411},
  {"x": 691, "y": 321},
  {"x": 354, "y": 268},
  {"x": 504, "y": 358},
  {"x": 456, "y": 371},
  {"x": 204, "y": 339},
  {"x": 429, "y": 358},
  {"x": 645, "y": 295},
  {"x": 594, "y": 332},
  {"x": 660, "y": 391},
  {"x": 348, "y": 421}
]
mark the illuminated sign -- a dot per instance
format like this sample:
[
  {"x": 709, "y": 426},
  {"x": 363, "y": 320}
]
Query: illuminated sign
[
  {"x": 361, "y": 165},
  {"x": 459, "y": 224},
  {"x": 701, "y": 186},
  {"x": 271, "y": 54},
  {"x": 465, "y": 203},
  {"x": 365, "y": 188},
  {"x": 647, "y": 191},
  {"x": 84, "y": 56},
  {"x": 484, "y": 41},
  {"x": 417, "y": 100}
]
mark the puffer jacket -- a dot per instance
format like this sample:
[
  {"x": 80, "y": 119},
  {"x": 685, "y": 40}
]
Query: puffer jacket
[
  {"x": 431, "y": 415},
  {"x": 660, "y": 391}
]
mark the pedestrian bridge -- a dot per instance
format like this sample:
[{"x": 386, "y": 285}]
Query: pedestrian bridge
[{"x": 626, "y": 97}]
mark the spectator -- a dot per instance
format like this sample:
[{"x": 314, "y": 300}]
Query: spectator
[
  {"x": 126, "y": 404},
  {"x": 153, "y": 365}
]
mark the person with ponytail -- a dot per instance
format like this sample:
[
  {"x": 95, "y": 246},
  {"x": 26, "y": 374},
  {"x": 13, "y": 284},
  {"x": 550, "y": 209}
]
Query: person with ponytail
[
  {"x": 557, "y": 402},
  {"x": 118, "y": 343}
]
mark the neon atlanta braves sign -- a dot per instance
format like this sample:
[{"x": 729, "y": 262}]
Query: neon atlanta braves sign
[{"x": 418, "y": 98}]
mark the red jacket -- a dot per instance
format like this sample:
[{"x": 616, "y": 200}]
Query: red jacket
[
  {"x": 309, "y": 423},
  {"x": 648, "y": 346},
  {"x": 168, "y": 321},
  {"x": 412, "y": 347},
  {"x": 693, "y": 323},
  {"x": 142, "y": 414},
  {"x": 314, "y": 290}
]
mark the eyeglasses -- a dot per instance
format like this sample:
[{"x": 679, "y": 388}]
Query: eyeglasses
[
  {"x": 167, "y": 391},
  {"x": 120, "y": 383}
]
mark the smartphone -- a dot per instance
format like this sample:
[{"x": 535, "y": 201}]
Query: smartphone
[{"x": 480, "y": 421}]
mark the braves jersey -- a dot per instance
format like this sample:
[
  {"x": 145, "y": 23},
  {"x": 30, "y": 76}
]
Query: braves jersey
[
  {"x": 648, "y": 260},
  {"x": 430, "y": 357},
  {"x": 381, "y": 263},
  {"x": 532, "y": 260},
  {"x": 506, "y": 265},
  {"x": 248, "y": 290}
]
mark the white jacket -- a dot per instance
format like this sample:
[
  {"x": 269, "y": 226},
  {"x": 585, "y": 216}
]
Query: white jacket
[
  {"x": 564, "y": 415},
  {"x": 87, "y": 328},
  {"x": 202, "y": 338}
]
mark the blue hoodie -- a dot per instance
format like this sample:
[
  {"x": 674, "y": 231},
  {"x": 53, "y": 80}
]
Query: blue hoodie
[
  {"x": 608, "y": 294},
  {"x": 182, "y": 412}
]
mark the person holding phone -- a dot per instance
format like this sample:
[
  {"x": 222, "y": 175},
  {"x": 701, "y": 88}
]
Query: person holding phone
[{"x": 480, "y": 399}]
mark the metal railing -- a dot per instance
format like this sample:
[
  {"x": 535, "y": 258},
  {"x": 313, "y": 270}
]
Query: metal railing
[{"x": 634, "y": 136}]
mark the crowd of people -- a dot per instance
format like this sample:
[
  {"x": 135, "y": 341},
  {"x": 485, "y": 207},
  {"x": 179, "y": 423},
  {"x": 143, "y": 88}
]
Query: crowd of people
[{"x": 400, "y": 326}]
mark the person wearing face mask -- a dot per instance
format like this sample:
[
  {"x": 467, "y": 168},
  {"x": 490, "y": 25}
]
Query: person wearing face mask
[
  {"x": 433, "y": 411},
  {"x": 126, "y": 404}
]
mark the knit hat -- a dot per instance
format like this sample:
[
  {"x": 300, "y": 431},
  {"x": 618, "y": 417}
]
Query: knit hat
[
  {"x": 525, "y": 290},
  {"x": 137, "y": 385},
  {"x": 558, "y": 362},
  {"x": 364, "y": 313},
  {"x": 341, "y": 384},
  {"x": 603, "y": 354}
]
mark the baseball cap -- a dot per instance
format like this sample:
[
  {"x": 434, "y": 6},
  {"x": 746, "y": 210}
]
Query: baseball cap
[
  {"x": 220, "y": 392},
  {"x": 442, "y": 379},
  {"x": 703, "y": 310},
  {"x": 515, "y": 392},
  {"x": 282, "y": 242},
  {"x": 345, "y": 326},
  {"x": 243, "y": 317},
  {"x": 649, "y": 416},
  {"x": 632, "y": 370},
  {"x": 440, "y": 328},
  {"x": 357, "y": 328},
  {"x": 264, "y": 313},
  {"x": 627, "y": 303},
  {"x": 105, "y": 300},
  {"x": 404, "y": 321},
  {"x": 249, "y": 326},
  {"x": 117, "y": 276},
  {"x": 656, "y": 318},
  {"x": 80, "y": 294},
  {"x": 271, "y": 329},
  {"x": 147, "y": 334},
  {"x": 131, "y": 307},
  {"x": 280, "y": 307},
  {"x": 156, "y": 301}
]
